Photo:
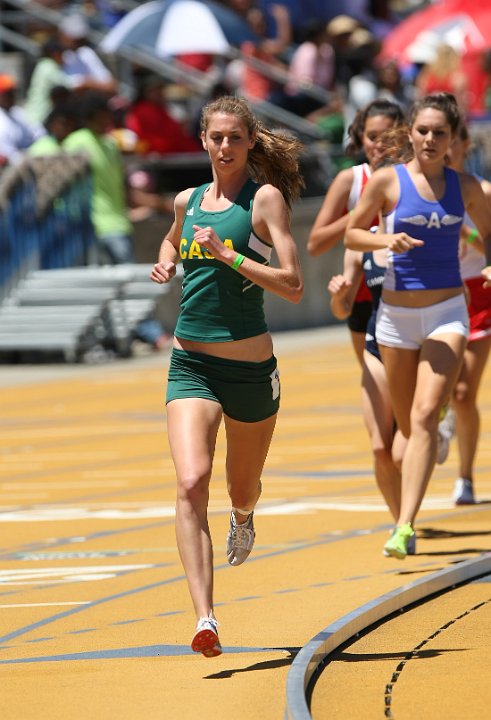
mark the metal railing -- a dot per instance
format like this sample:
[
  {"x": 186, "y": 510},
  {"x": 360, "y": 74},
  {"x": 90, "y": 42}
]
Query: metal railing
[{"x": 45, "y": 220}]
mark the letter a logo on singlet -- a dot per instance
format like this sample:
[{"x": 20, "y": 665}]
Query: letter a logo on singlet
[{"x": 434, "y": 221}]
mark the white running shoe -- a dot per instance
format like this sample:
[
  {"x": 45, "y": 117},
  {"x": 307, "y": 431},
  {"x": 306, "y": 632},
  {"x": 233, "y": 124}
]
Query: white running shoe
[
  {"x": 240, "y": 540},
  {"x": 205, "y": 640},
  {"x": 463, "y": 493},
  {"x": 446, "y": 431}
]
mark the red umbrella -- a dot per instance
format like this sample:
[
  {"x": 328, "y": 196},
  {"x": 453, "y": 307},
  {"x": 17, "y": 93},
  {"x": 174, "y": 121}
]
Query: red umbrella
[{"x": 464, "y": 25}]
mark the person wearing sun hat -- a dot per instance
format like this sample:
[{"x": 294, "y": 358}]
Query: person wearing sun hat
[
  {"x": 339, "y": 31},
  {"x": 17, "y": 133},
  {"x": 342, "y": 25},
  {"x": 80, "y": 61}
]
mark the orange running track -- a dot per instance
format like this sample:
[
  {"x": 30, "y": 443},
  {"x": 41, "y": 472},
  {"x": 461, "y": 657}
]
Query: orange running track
[{"x": 95, "y": 617}]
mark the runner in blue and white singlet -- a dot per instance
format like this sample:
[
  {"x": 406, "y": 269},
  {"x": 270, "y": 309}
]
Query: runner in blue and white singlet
[
  {"x": 436, "y": 263},
  {"x": 422, "y": 321}
]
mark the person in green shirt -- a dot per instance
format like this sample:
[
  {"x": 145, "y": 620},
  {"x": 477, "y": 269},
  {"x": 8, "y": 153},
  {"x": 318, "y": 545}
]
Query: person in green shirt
[
  {"x": 112, "y": 226},
  {"x": 48, "y": 73},
  {"x": 113, "y": 229},
  {"x": 59, "y": 124}
]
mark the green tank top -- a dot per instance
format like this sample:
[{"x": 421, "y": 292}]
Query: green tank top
[{"x": 218, "y": 304}]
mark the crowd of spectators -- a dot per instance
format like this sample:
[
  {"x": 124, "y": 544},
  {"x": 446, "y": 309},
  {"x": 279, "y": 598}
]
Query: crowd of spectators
[{"x": 318, "y": 61}]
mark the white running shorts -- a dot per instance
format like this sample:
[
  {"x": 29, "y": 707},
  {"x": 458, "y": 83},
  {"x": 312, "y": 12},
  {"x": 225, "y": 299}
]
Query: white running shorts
[{"x": 404, "y": 327}]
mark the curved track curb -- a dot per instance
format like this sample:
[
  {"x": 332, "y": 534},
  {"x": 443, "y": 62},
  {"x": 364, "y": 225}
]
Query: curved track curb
[{"x": 316, "y": 650}]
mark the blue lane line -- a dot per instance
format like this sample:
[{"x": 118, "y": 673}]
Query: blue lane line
[
  {"x": 283, "y": 551},
  {"x": 133, "y": 652},
  {"x": 11, "y": 554},
  {"x": 179, "y": 578},
  {"x": 32, "y": 547},
  {"x": 81, "y": 608},
  {"x": 5, "y": 553},
  {"x": 257, "y": 558},
  {"x": 53, "y": 473}
]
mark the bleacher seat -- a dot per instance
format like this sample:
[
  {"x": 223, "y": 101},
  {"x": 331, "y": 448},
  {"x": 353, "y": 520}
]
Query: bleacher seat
[{"x": 73, "y": 310}]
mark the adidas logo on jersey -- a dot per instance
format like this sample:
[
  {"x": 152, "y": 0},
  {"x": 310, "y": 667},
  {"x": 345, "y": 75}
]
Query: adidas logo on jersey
[{"x": 190, "y": 212}]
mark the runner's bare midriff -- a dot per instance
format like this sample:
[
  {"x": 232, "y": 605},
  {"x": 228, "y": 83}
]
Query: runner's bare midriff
[
  {"x": 419, "y": 298},
  {"x": 253, "y": 349}
]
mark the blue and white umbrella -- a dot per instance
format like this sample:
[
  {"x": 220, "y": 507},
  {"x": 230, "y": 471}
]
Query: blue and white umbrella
[{"x": 176, "y": 27}]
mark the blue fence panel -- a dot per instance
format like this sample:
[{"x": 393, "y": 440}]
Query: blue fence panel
[
  {"x": 19, "y": 242},
  {"x": 58, "y": 234}
]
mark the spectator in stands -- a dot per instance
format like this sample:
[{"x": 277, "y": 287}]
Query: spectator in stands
[
  {"x": 80, "y": 61},
  {"x": 312, "y": 63},
  {"x": 339, "y": 31},
  {"x": 59, "y": 124},
  {"x": 61, "y": 96},
  {"x": 478, "y": 70},
  {"x": 241, "y": 7},
  {"x": 392, "y": 86},
  {"x": 486, "y": 89},
  {"x": 361, "y": 89},
  {"x": 17, "y": 133},
  {"x": 156, "y": 129},
  {"x": 110, "y": 219},
  {"x": 48, "y": 73},
  {"x": 110, "y": 12},
  {"x": 444, "y": 74},
  {"x": 370, "y": 81},
  {"x": 255, "y": 85},
  {"x": 156, "y": 132},
  {"x": 109, "y": 214}
]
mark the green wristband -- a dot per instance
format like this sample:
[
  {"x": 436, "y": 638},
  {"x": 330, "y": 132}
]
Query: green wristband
[
  {"x": 472, "y": 236},
  {"x": 238, "y": 262}
]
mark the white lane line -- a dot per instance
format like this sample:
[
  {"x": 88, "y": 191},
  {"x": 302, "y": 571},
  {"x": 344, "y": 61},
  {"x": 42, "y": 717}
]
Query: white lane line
[
  {"x": 52, "y": 604},
  {"x": 146, "y": 511},
  {"x": 60, "y": 485},
  {"x": 58, "y": 575}
]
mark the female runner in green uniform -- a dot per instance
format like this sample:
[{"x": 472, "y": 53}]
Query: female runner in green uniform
[{"x": 222, "y": 363}]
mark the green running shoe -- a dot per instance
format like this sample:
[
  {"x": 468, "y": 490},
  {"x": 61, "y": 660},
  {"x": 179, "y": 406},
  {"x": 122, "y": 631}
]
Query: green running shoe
[
  {"x": 397, "y": 545},
  {"x": 411, "y": 544}
]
